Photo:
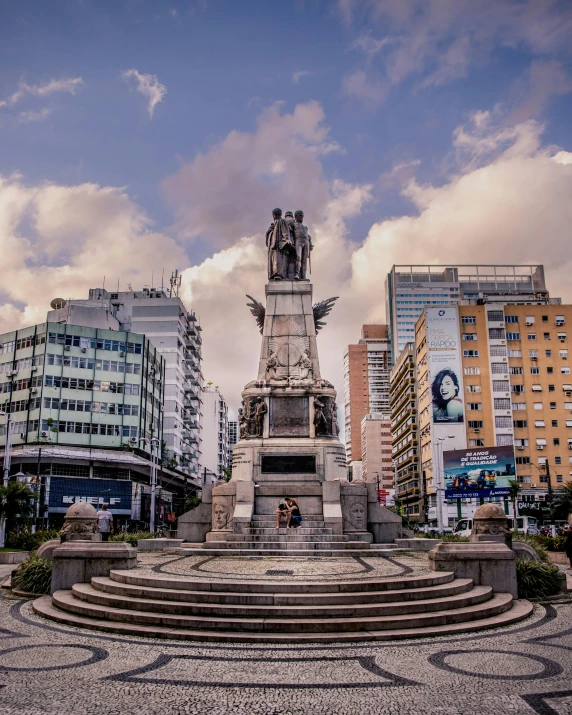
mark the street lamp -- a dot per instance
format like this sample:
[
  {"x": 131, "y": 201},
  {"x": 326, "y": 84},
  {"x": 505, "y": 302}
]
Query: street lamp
[
  {"x": 440, "y": 474},
  {"x": 153, "y": 443},
  {"x": 7, "y": 462}
]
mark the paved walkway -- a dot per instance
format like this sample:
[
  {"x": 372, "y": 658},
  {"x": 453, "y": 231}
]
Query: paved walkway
[{"x": 48, "y": 668}]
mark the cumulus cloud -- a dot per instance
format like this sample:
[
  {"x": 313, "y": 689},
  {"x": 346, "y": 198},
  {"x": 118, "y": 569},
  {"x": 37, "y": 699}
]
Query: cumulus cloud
[
  {"x": 148, "y": 85},
  {"x": 70, "y": 86},
  {"x": 230, "y": 191}
]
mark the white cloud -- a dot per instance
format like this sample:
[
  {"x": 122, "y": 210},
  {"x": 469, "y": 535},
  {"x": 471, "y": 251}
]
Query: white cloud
[
  {"x": 31, "y": 116},
  {"x": 70, "y": 85},
  {"x": 148, "y": 85},
  {"x": 371, "y": 45},
  {"x": 363, "y": 87},
  {"x": 300, "y": 74}
]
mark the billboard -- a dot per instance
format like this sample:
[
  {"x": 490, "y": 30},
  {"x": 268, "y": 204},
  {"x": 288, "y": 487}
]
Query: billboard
[
  {"x": 480, "y": 472},
  {"x": 65, "y": 491},
  {"x": 445, "y": 366}
]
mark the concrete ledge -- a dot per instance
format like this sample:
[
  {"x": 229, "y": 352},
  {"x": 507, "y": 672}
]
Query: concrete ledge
[
  {"x": 13, "y": 557},
  {"x": 557, "y": 557},
  {"x": 158, "y": 544},
  {"x": 417, "y": 544},
  {"x": 79, "y": 561}
]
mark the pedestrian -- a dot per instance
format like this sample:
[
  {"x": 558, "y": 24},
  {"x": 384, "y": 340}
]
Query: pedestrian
[
  {"x": 105, "y": 522},
  {"x": 568, "y": 545}
]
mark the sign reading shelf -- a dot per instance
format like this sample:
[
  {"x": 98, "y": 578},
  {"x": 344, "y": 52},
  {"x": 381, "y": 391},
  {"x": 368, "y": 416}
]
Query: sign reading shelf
[{"x": 288, "y": 464}]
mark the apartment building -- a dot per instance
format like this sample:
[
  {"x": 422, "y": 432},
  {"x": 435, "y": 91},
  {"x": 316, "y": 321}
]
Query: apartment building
[
  {"x": 509, "y": 369},
  {"x": 377, "y": 464},
  {"x": 232, "y": 439},
  {"x": 408, "y": 289},
  {"x": 163, "y": 318},
  {"x": 409, "y": 487},
  {"x": 214, "y": 455},
  {"x": 366, "y": 386}
]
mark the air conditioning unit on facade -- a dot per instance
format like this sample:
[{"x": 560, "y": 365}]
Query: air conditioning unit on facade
[
  {"x": 34, "y": 368},
  {"x": 13, "y": 372},
  {"x": 476, "y": 429},
  {"x": 539, "y": 446},
  {"x": 520, "y": 448},
  {"x": 44, "y": 434},
  {"x": 533, "y": 486},
  {"x": 34, "y": 390},
  {"x": 121, "y": 354},
  {"x": 67, "y": 348},
  {"x": 84, "y": 350}
]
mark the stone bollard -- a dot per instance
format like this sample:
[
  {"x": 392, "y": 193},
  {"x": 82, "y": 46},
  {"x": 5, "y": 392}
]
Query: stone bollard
[
  {"x": 490, "y": 523},
  {"x": 487, "y": 563},
  {"x": 79, "y": 561}
]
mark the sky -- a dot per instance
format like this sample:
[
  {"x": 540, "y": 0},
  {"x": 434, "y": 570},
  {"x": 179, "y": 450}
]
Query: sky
[{"x": 142, "y": 136}]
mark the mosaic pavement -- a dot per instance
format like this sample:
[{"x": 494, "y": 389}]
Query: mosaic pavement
[{"x": 49, "y": 668}]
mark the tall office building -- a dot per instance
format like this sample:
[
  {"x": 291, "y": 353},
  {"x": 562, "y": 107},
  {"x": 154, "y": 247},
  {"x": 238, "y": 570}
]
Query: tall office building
[
  {"x": 377, "y": 464},
  {"x": 81, "y": 399},
  {"x": 408, "y": 289},
  {"x": 214, "y": 445},
  {"x": 496, "y": 375},
  {"x": 232, "y": 439},
  {"x": 366, "y": 385},
  {"x": 174, "y": 330},
  {"x": 409, "y": 487}
]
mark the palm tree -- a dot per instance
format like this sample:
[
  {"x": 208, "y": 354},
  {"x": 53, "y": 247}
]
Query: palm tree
[
  {"x": 16, "y": 501},
  {"x": 514, "y": 490},
  {"x": 563, "y": 500}
]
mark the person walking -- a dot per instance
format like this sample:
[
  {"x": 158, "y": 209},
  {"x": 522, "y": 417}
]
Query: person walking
[
  {"x": 568, "y": 545},
  {"x": 105, "y": 522}
]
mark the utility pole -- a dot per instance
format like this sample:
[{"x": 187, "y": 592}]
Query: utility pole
[{"x": 6, "y": 472}]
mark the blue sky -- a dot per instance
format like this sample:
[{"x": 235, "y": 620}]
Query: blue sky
[{"x": 404, "y": 110}]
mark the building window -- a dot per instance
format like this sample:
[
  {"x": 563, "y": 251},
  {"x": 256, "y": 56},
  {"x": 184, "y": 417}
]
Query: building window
[
  {"x": 474, "y": 406},
  {"x": 553, "y": 405},
  {"x": 517, "y": 388},
  {"x": 537, "y": 388},
  {"x": 535, "y": 371},
  {"x": 515, "y": 370},
  {"x": 550, "y": 388},
  {"x": 476, "y": 443},
  {"x": 513, "y": 336},
  {"x": 520, "y": 424},
  {"x": 502, "y": 421},
  {"x": 514, "y": 353},
  {"x": 523, "y": 460},
  {"x": 477, "y": 424},
  {"x": 498, "y": 368},
  {"x": 555, "y": 423},
  {"x": 563, "y": 354},
  {"x": 472, "y": 370},
  {"x": 565, "y": 370},
  {"x": 557, "y": 460},
  {"x": 544, "y": 318},
  {"x": 469, "y": 336},
  {"x": 501, "y": 403},
  {"x": 556, "y": 441},
  {"x": 546, "y": 336},
  {"x": 559, "y": 478},
  {"x": 531, "y": 336},
  {"x": 539, "y": 423},
  {"x": 501, "y": 385},
  {"x": 496, "y": 333},
  {"x": 473, "y": 388},
  {"x": 519, "y": 405},
  {"x": 561, "y": 337},
  {"x": 470, "y": 353},
  {"x": 568, "y": 405},
  {"x": 468, "y": 319},
  {"x": 504, "y": 440},
  {"x": 537, "y": 405},
  {"x": 521, "y": 443},
  {"x": 511, "y": 318},
  {"x": 550, "y": 370},
  {"x": 495, "y": 316},
  {"x": 497, "y": 351}
]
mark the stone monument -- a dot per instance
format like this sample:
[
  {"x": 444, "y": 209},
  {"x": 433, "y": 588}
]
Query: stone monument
[{"x": 289, "y": 444}]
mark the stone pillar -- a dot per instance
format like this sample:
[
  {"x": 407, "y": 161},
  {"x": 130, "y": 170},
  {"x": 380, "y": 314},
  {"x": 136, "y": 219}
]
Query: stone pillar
[
  {"x": 331, "y": 502},
  {"x": 195, "y": 524},
  {"x": 354, "y": 511}
]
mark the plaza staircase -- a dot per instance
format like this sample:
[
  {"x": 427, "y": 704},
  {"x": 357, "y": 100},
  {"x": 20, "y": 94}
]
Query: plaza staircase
[
  {"x": 313, "y": 538},
  {"x": 279, "y": 609}
]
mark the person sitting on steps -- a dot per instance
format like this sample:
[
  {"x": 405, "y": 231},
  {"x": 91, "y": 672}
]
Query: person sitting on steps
[
  {"x": 294, "y": 516},
  {"x": 282, "y": 511}
]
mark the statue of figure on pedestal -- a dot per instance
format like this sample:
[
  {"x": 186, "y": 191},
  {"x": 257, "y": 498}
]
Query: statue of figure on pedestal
[
  {"x": 280, "y": 244},
  {"x": 320, "y": 423},
  {"x": 260, "y": 410},
  {"x": 243, "y": 423},
  {"x": 303, "y": 244},
  {"x": 305, "y": 365}
]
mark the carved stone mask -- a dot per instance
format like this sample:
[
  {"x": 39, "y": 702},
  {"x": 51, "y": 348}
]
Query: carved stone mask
[
  {"x": 357, "y": 514},
  {"x": 221, "y": 515}
]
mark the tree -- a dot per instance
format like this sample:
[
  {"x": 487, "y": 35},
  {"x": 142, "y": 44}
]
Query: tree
[
  {"x": 16, "y": 502},
  {"x": 226, "y": 474},
  {"x": 514, "y": 490},
  {"x": 563, "y": 501}
]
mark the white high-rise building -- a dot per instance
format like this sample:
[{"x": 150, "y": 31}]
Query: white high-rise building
[
  {"x": 163, "y": 318},
  {"x": 232, "y": 439},
  {"x": 408, "y": 289},
  {"x": 214, "y": 446}
]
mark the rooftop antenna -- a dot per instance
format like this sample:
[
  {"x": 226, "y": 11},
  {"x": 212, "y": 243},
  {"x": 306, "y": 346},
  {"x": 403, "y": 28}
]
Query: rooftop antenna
[
  {"x": 152, "y": 279},
  {"x": 118, "y": 284},
  {"x": 103, "y": 282},
  {"x": 162, "y": 280},
  {"x": 175, "y": 282}
]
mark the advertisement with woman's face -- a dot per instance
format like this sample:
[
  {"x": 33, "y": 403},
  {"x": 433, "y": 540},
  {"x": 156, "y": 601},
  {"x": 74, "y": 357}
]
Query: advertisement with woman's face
[{"x": 446, "y": 395}]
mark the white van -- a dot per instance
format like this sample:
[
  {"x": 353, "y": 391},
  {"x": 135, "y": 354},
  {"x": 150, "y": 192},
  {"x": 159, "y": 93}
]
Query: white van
[{"x": 524, "y": 524}]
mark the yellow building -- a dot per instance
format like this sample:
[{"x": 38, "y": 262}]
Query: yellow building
[{"x": 514, "y": 387}]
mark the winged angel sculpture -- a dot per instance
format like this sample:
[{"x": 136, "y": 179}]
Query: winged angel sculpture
[{"x": 320, "y": 310}]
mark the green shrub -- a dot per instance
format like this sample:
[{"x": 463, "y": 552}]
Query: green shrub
[
  {"x": 133, "y": 538},
  {"x": 30, "y": 542},
  {"x": 553, "y": 543},
  {"x": 536, "y": 580},
  {"x": 442, "y": 537},
  {"x": 535, "y": 542},
  {"x": 34, "y": 575}
]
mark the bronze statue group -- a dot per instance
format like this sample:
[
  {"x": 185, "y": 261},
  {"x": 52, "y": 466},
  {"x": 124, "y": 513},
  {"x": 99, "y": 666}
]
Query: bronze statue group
[{"x": 289, "y": 245}]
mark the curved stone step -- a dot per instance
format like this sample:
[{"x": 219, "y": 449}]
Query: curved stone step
[
  {"x": 66, "y": 600},
  {"x": 444, "y": 590},
  {"x": 260, "y": 530},
  {"x": 433, "y": 578},
  {"x": 86, "y": 592},
  {"x": 44, "y": 607},
  {"x": 280, "y": 543},
  {"x": 231, "y": 550}
]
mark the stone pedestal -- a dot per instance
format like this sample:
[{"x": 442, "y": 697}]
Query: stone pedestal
[
  {"x": 487, "y": 563},
  {"x": 195, "y": 524},
  {"x": 79, "y": 561}
]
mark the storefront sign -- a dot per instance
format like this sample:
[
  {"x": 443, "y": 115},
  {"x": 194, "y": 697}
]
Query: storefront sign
[{"x": 65, "y": 491}]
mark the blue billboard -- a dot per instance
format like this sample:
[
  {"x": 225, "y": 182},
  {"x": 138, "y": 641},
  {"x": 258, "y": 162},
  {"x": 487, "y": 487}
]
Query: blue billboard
[
  {"x": 65, "y": 491},
  {"x": 478, "y": 473}
]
